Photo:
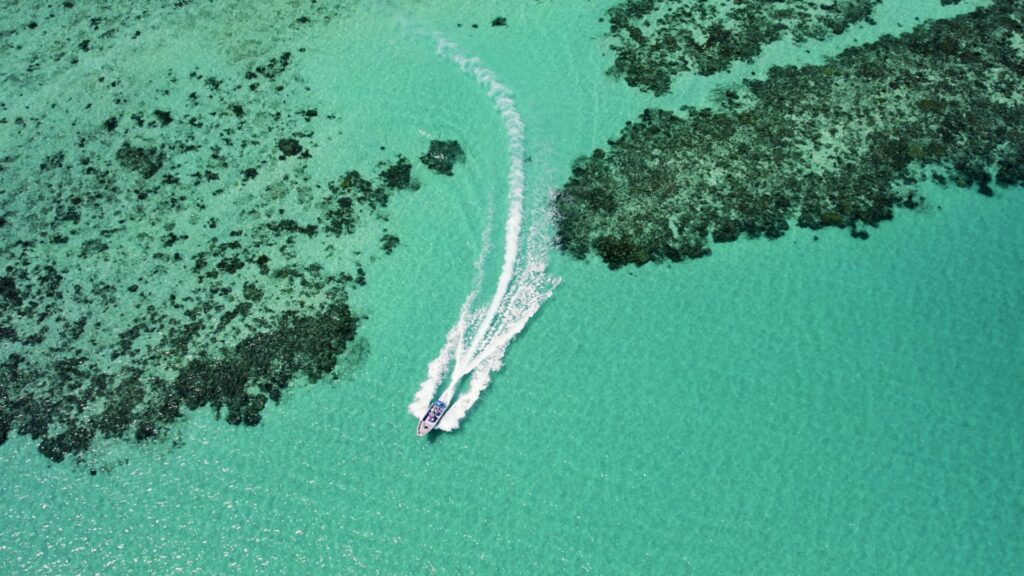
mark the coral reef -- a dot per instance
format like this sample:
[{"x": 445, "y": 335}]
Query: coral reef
[
  {"x": 840, "y": 144},
  {"x": 165, "y": 245},
  {"x": 655, "y": 40},
  {"x": 443, "y": 155}
]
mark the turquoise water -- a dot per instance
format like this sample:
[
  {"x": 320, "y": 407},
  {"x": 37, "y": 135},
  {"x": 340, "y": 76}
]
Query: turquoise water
[{"x": 811, "y": 405}]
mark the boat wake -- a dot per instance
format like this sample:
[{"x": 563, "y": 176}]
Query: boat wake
[{"x": 476, "y": 343}]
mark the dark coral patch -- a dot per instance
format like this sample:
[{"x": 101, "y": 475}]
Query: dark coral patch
[
  {"x": 353, "y": 184},
  {"x": 9, "y": 290},
  {"x": 261, "y": 366},
  {"x": 398, "y": 176},
  {"x": 443, "y": 155},
  {"x": 388, "y": 243},
  {"x": 273, "y": 68},
  {"x": 74, "y": 440},
  {"x": 289, "y": 146},
  {"x": 291, "y": 227},
  {"x": 145, "y": 161},
  {"x": 341, "y": 218},
  {"x": 163, "y": 117}
]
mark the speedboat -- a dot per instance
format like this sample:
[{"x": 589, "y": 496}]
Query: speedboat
[{"x": 431, "y": 418}]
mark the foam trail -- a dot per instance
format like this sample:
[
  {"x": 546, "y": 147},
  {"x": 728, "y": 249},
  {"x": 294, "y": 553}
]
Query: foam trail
[
  {"x": 516, "y": 186},
  {"x": 531, "y": 289},
  {"x": 476, "y": 343},
  {"x": 440, "y": 366}
]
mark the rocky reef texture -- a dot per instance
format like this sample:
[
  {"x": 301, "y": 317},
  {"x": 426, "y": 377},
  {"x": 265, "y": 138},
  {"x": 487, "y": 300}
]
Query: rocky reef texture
[
  {"x": 165, "y": 243},
  {"x": 443, "y": 155},
  {"x": 655, "y": 40},
  {"x": 840, "y": 144}
]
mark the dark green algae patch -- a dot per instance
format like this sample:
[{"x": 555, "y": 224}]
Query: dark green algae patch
[
  {"x": 656, "y": 40},
  {"x": 837, "y": 145},
  {"x": 443, "y": 155},
  {"x": 165, "y": 244}
]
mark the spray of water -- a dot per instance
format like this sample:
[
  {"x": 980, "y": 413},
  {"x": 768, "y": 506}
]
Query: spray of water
[
  {"x": 439, "y": 367},
  {"x": 476, "y": 344}
]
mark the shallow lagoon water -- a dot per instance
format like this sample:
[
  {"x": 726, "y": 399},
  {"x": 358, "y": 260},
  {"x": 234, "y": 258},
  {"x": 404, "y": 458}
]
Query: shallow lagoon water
[{"x": 827, "y": 406}]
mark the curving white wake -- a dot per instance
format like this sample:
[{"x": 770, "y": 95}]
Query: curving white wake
[{"x": 476, "y": 344}]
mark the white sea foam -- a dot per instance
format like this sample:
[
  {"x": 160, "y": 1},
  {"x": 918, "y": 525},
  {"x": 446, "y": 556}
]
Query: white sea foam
[
  {"x": 439, "y": 367},
  {"x": 475, "y": 345}
]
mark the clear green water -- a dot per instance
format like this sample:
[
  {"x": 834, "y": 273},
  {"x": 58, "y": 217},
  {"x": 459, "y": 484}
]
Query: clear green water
[{"x": 799, "y": 406}]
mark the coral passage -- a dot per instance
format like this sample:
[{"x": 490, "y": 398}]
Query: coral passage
[
  {"x": 839, "y": 144},
  {"x": 656, "y": 40}
]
